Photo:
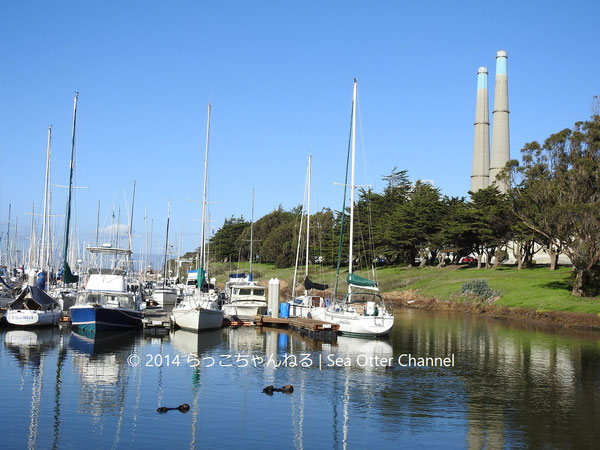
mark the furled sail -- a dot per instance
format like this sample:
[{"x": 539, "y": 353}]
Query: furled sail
[
  {"x": 358, "y": 281},
  {"x": 312, "y": 285}
]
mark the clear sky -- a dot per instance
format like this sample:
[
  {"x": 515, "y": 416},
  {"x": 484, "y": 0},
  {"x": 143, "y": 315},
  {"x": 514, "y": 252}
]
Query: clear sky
[{"x": 279, "y": 76}]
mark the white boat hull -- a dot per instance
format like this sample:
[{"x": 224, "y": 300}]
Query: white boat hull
[
  {"x": 310, "y": 312},
  {"x": 33, "y": 318},
  {"x": 245, "y": 310},
  {"x": 198, "y": 319},
  {"x": 358, "y": 325}
]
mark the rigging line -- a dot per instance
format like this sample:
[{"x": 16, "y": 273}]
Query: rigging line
[
  {"x": 300, "y": 234},
  {"x": 337, "y": 273},
  {"x": 362, "y": 140},
  {"x": 108, "y": 215}
]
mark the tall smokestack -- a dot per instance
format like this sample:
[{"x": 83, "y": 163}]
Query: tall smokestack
[
  {"x": 500, "y": 135},
  {"x": 481, "y": 142}
]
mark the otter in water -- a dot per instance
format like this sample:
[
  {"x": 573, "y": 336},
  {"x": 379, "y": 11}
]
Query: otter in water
[
  {"x": 182, "y": 408},
  {"x": 287, "y": 389}
]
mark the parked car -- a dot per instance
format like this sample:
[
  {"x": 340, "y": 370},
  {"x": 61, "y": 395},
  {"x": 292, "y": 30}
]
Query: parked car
[{"x": 467, "y": 260}]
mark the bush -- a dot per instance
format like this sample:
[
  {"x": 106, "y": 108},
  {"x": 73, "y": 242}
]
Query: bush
[{"x": 479, "y": 288}]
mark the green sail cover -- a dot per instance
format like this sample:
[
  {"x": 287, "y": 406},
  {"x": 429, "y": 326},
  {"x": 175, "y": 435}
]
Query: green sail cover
[
  {"x": 68, "y": 276},
  {"x": 356, "y": 280},
  {"x": 200, "y": 281}
]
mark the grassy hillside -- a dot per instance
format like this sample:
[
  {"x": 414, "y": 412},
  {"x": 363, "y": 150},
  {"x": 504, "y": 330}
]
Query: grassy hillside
[{"x": 537, "y": 288}]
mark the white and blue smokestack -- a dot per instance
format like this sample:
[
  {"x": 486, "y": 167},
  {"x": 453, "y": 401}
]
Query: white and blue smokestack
[
  {"x": 481, "y": 142},
  {"x": 500, "y": 134}
]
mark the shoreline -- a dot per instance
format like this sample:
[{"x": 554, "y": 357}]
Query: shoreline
[{"x": 559, "y": 319}]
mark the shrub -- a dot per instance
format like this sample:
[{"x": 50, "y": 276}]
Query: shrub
[{"x": 479, "y": 288}]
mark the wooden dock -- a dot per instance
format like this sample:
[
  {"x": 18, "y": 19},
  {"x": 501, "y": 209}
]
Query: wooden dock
[
  {"x": 157, "y": 320},
  {"x": 312, "y": 328},
  {"x": 234, "y": 322}
]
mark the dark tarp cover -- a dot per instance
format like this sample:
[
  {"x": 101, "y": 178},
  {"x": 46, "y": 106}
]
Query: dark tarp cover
[
  {"x": 237, "y": 275},
  {"x": 39, "y": 296},
  {"x": 312, "y": 285}
]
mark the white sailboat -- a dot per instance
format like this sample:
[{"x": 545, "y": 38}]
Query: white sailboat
[
  {"x": 33, "y": 308},
  {"x": 245, "y": 298},
  {"x": 199, "y": 309},
  {"x": 363, "y": 311},
  {"x": 306, "y": 305}
]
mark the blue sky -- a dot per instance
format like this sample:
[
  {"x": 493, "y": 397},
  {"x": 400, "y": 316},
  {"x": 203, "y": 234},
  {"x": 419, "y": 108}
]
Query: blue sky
[{"x": 279, "y": 75}]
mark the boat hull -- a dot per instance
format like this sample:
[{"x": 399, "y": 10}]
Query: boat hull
[
  {"x": 104, "y": 319},
  {"x": 198, "y": 319},
  {"x": 32, "y": 318},
  {"x": 245, "y": 310},
  {"x": 365, "y": 326}
]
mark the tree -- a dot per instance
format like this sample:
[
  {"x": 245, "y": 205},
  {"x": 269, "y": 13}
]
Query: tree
[
  {"x": 492, "y": 223},
  {"x": 223, "y": 244},
  {"x": 556, "y": 193}
]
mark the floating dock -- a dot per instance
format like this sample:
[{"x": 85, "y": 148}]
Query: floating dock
[
  {"x": 312, "y": 328},
  {"x": 157, "y": 320}
]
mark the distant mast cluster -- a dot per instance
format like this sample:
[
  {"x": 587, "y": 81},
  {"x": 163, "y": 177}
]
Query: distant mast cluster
[{"x": 487, "y": 165}]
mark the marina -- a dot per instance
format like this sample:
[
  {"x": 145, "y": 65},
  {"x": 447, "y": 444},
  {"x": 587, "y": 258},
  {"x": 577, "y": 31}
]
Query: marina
[{"x": 299, "y": 225}]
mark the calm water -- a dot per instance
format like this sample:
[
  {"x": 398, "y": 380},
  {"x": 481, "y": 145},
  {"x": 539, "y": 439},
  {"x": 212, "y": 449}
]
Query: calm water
[{"x": 510, "y": 387}]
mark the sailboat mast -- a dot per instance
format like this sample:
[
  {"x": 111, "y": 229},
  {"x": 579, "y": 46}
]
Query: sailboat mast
[
  {"x": 118, "y": 226},
  {"x": 145, "y": 253},
  {"x": 203, "y": 238},
  {"x": 31, "y": 238},
  {"x": 15, "y": 257},
  {"x": 352, "y": 183},
  {"x": 166, "y": 244},
  {"x": 8, "y": 238},
  {"x": 308, "y": 217},
  {"x": 97, "y": 223},
  {"x": 131, "y": 219},
  {"x": 251, "y": 234},
  {"x": 45, "y": 214},
  {"x": 179, "y": 251},
  {"x": 151, "y": 237},
  {"x": 68, "y": 218}
]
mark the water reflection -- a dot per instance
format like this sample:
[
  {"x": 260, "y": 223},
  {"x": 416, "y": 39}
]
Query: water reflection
[
  {"x": 29, "y": 346},
  {"x": 517, "y": 386}
]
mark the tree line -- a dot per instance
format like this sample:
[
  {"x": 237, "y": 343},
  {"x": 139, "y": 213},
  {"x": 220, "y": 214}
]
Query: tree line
[{"x": 552, "y": 203}]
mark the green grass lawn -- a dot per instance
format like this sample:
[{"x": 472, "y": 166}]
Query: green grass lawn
[{"x": 537, "y": 288}]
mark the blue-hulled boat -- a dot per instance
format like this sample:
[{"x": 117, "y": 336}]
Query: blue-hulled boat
[{"x": 108, "y": 302}]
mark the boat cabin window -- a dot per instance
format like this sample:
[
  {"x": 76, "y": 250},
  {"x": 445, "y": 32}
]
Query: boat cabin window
[
  {"x": 84, "y": 298},
  {"x": 118, "y": 300},
  {"x": 259, "y": 292},
  {"x": 244, "y": 291}
]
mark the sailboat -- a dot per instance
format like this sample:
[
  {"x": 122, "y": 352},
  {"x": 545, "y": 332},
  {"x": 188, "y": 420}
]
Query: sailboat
[
  {"x": 362, "y": 311},
  {"x": 306, "y": 305},
  {"x": 199, "y": 309},
  {"x": 33, "y": 308},
  {"x": 66, "y": 295},
  {"x": 107, "y": 301},
  {"x": 165, "y": 296},
  {"x": 245, "y": 298}
]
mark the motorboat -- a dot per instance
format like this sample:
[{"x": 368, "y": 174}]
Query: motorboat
[
  {"x": 108, "y": 302},
  {"x": 246, "y": 299}
]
